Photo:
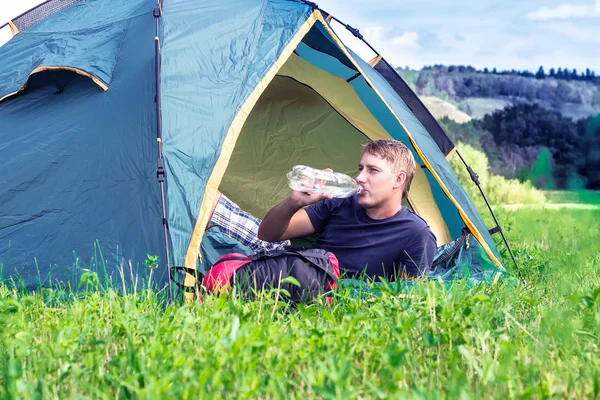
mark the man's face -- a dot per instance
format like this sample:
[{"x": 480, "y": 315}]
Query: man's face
[{"x": 380, "y": 184}]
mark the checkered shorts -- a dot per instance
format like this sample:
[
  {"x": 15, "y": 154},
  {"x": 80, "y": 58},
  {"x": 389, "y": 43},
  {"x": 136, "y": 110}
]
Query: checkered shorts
[{"x": 230, "y": 219}]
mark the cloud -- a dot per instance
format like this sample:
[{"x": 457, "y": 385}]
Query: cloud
[
  {"x": 566, "y": 11},
  {"x": 408, "y": 40},
  {"x": 404, "y": 40}
]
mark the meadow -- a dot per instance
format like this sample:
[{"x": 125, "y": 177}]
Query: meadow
[{"x": 537, "y": 337}]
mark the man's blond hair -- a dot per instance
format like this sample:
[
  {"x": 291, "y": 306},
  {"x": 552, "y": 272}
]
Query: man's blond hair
[{"x": 398, "y": 155}]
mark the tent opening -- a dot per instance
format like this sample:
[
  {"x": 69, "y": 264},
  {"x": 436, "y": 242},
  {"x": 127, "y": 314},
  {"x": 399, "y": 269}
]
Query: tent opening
[{"x": 309, "y": 116}]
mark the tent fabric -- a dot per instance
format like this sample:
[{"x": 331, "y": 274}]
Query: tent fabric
[
  {"x": 41, "y": 12},
  {"x": 210, "y": 193},
  {"x": 85, "y": 38},
  {"x": 338, "y": 93},
  {"x": 79, "y": 187},
  {"x": 324, "y": 61},
  {"x": 416, "y": 106},
  {"x": 316, "y": 40},
  {"x": 61, "y": 50},
  {"x": 197, "y": 118}
]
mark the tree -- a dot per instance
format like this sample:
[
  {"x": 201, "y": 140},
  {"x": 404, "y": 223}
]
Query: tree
[
  {"x": 421, "y": 82},
  {"x": 541, "y": 173},
  {"x": 540, "y": 74},
  {"x": 590, "y": 164},
  {"x": 552, "y": 73},
  {"x": 525, "y": 127}
]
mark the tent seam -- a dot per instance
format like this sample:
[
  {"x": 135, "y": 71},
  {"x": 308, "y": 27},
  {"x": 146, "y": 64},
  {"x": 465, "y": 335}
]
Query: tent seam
[
  {"x": 88, "y": 28},
  {"x": 119, "y": 52},
  {"x": 251, "y": 55}
]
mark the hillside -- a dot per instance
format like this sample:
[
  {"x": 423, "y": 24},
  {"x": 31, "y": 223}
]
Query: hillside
[
  {"x": 539, "y": 128},
  {"x": 441, "y": 108},
  {"x": 477, "y": 93}
]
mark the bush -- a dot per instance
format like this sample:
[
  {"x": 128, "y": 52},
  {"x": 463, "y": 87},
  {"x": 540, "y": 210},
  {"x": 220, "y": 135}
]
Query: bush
[{"x": 497, "y": 189}]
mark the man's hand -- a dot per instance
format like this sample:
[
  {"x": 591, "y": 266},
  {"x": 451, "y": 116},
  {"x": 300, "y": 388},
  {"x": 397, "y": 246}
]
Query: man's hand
[
  {"x": 301, "y": 199},
  {"x": 288, "y": 219}
]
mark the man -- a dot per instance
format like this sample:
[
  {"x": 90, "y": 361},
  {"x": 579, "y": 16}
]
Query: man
[{"x": 370, "y": 232}]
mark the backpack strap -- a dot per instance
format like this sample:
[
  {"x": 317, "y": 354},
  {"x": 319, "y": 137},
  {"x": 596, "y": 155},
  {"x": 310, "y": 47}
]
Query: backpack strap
[{"x": 333, "y": 273}]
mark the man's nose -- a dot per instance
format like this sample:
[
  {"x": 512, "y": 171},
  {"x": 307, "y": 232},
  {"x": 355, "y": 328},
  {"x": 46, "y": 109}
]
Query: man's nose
[{"x": 361, "y": 178}]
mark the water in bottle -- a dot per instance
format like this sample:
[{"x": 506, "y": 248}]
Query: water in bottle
[{"x": 311, "y": 180}]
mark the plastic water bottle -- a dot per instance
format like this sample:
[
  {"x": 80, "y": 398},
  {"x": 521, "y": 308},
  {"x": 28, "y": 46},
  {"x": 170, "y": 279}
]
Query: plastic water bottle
[{"x": 311, "y": 180}]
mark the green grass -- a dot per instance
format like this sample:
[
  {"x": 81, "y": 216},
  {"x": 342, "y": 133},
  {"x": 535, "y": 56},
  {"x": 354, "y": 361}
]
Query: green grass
[
  {"x": 540, "y": 340},
  {"x": 582, "y": 197}
]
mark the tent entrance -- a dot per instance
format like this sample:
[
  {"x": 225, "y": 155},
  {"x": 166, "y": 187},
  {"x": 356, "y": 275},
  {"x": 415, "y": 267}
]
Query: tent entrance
[{"x": 309, "y": 116}]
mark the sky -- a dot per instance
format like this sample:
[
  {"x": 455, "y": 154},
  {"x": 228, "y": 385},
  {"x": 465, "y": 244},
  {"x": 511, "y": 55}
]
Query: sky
[{"x": 505, "y": 34}]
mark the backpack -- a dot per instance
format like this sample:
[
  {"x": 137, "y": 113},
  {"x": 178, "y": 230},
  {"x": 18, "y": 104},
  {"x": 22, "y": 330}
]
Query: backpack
[{"x": 316, "y": 271}]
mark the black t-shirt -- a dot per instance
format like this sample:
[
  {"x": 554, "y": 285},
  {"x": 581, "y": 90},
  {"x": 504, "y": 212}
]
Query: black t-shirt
[{"x": 402, "y": 243}]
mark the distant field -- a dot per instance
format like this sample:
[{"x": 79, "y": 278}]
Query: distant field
[
  {"x": 478, "y": 107},
  {"x": 440, "y": 108},
  {"x": 538, "y": 338},
  {"x": 584, "y": 197},
  {"x": 556, "y": 200}
]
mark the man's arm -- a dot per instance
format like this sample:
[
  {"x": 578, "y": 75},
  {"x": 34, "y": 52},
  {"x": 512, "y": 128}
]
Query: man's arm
[
  {"x": 285, "y": 221},
  {"x": 288, "y": 219}
]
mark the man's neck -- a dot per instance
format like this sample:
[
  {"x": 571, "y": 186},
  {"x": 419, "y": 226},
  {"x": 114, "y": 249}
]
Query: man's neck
[{"x": 384, "y": 211}]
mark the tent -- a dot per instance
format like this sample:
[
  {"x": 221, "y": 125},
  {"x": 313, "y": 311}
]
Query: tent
[{"x": 119, "y": 121}]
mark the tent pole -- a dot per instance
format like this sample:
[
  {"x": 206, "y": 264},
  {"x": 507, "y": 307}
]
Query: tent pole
[
  {"x": 475, "y": 179},
  {"x": 352, "y": 30},
  {"x": 160, "y": 170}
]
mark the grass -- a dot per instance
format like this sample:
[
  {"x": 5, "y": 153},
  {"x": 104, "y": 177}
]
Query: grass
[{"x": 536, "y": 340}]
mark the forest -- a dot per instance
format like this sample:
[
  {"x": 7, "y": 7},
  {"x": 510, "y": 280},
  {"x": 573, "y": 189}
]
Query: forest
[{"x": 548, "y": 132}]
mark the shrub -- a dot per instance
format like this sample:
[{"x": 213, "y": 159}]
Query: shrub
[{"x": 497, "y": 189}]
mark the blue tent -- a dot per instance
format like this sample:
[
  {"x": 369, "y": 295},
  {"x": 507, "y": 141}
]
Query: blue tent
[{"x": 119, "y": 121}]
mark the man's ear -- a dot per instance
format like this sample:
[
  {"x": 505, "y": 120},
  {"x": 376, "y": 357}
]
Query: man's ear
[{"x": 400, "y": 180}]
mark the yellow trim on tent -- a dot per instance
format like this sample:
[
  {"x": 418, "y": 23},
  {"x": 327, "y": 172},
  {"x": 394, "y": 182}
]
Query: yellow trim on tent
[
  {"x": 451, "y": 153},
  {"x": 423, "y": 204},
  {"x": 497, "y": 277},
  {"x": 465, "y": 218},
  {"x": 329, "y": 18},
  {"x": 13, "y": 28},
  {"x": 374, "y": 61},
  {"x": 193, "y": 252},
  {"x": 54, "y": 68}
]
